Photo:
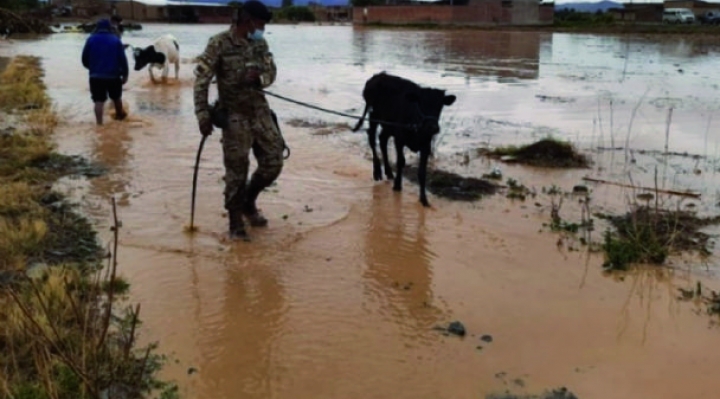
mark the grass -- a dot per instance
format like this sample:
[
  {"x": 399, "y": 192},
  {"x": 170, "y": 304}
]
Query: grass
[
  {"x": 21, "y": 85},
  {"x": 65, "y": 330},
  {"x": 548, "y": 152},
  {"x": 649, "y": 235}
]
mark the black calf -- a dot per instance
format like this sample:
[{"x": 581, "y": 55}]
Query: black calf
[{"x": 408, "y": 113}]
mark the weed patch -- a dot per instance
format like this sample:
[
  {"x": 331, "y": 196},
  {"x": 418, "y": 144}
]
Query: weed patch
[
  {"x": 649, "y": 235},
  {"x": 452, "y": 186},
  {"x": 319, "y": 128},
  {"x": 545, "y": 153},
  {"x": 21, "y": 85},
  {"x": 517, "y": 191},
  {"x": 559, "y": 393}
]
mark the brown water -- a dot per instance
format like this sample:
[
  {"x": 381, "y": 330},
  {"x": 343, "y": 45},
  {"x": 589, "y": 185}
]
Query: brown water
[{"x": 339, "y": 296}]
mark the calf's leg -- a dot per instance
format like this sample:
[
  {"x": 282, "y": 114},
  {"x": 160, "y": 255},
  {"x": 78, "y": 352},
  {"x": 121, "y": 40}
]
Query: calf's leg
[
  {"x": 384, "y": 137},
  {"x": 372, "y": 132},
  {"x": 399, "y": 149},
  {"x": 177, "y": 69},
  {"x": 422, "y": 174}
]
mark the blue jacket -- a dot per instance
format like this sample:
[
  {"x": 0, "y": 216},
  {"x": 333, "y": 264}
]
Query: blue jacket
[{"x": 103, "y": 54}]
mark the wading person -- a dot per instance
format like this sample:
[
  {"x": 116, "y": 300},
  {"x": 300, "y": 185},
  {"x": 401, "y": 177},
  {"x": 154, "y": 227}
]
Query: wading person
[
  {"x": 104, "y": 57},
  {"x": 241, "y": 61}
]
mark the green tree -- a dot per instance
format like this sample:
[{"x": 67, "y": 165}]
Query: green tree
[{"x": 287, "y": 3}]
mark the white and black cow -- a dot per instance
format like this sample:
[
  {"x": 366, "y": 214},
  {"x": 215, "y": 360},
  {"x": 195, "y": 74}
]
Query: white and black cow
[
  {"x": 164, "y": 51},
  {"x": 408, "y": 113}
]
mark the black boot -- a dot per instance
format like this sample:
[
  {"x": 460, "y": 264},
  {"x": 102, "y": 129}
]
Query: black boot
[
  {"x": 250, "y": 210},
  {"x": 237, "y": 227}
]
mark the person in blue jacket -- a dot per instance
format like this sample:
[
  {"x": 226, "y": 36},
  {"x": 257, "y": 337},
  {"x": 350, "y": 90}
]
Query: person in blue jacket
[{"x": 104, "y": 57}]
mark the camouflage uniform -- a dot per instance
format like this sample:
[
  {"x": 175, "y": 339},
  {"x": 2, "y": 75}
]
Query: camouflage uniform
[{"x": 250, "y": 125}]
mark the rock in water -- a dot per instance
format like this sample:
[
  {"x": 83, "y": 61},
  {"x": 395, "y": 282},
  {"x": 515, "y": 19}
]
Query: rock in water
[{"x": 456, "y": 328}]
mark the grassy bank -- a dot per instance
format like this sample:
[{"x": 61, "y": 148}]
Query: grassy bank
[{"x": 65, "y": 331}]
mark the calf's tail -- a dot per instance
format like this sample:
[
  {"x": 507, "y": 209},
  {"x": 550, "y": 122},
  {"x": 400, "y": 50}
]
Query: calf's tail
[{"x": 362, "y": 119}]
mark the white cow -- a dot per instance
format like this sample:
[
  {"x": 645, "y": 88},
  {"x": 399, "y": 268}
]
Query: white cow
[{"x": 164, "y": 51}]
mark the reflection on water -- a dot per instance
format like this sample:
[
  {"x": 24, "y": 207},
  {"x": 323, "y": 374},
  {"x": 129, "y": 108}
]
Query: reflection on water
[
  {"x": 399, "y": 263},
  {"x": 504, "y": 56},
  {"x": 241, "y": 361},
  {"x": 111, "y": 148}
]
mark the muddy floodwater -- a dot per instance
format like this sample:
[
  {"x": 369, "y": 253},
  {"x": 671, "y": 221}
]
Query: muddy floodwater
[{"x": 341, "y": 295}]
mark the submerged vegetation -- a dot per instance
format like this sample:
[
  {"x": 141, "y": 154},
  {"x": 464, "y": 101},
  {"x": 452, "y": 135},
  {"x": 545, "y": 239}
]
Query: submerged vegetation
[
  {"x": 64, "y": 331},
  {"x": 453, "y": 186},
  {"x": 649, "y": 235},
  {"x": 548, "y": 152}
]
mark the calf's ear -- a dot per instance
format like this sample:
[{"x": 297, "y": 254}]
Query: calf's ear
[
  {"x": 449, "y": 100},
  {"x": 412, "y": 97}
]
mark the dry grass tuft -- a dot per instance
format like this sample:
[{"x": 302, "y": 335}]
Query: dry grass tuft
[{"x": 21, "y": 85}]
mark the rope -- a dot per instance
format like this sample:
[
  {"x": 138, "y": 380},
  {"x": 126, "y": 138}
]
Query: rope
[{"x": 329, "y": 111}]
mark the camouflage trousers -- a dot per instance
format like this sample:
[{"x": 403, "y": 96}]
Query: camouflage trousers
[{"x": 250, "y": 130}]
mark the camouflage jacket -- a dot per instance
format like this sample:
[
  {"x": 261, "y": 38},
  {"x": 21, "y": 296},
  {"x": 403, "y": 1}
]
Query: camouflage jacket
[{"x": 228, "y": 58}]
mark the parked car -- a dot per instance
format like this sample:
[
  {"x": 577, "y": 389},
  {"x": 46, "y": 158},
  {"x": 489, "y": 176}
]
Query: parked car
[
  {"x": 678, "y": 16},
  {"x": 711, "y": 17}
]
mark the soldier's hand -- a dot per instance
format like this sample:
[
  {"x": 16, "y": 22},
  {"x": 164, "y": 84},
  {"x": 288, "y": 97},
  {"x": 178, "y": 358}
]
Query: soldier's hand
[{"x": 206, "y": 126}]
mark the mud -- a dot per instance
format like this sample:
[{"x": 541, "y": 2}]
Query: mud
[
  {"x": 69, "y": 165},
  {"x": 451, "y": 185},
  {"x": 73, "y": 238},
  {"x": 320, "y": 128},
  {"x": 547, "y": 153}
]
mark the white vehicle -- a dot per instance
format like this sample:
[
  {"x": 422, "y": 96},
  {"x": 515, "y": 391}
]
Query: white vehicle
[{"x": 678, "y": 16}]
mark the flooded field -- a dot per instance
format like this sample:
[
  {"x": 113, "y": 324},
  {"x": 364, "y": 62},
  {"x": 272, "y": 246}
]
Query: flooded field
[{"x": 342, "y": 294}]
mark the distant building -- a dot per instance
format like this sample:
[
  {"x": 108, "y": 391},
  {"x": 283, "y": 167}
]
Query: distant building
[
  {"x": 331, "y": 13},
  {"x": 459, "y": 12},
  {"x": 638, "y": 13},
  {"x": 652, "y": 12},
  {"x": 696, "y": 6},
  {"x": 172, "y": 10}
]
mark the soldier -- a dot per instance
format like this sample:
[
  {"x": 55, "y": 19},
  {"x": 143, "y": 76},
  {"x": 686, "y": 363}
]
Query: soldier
[{"x": 241, "y": 61}]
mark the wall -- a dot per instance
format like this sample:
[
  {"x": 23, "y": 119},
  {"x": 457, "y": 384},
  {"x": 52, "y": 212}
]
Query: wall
[
  {"x": 134, "y": 11},
  {"x": 546, "y": 13},
  {"x": 402, "y": 14},
  {"x": 477, "y": 12}
]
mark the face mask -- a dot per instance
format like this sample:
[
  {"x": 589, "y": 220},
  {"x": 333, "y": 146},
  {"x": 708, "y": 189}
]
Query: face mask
[{"x": 256, "y": 35}]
